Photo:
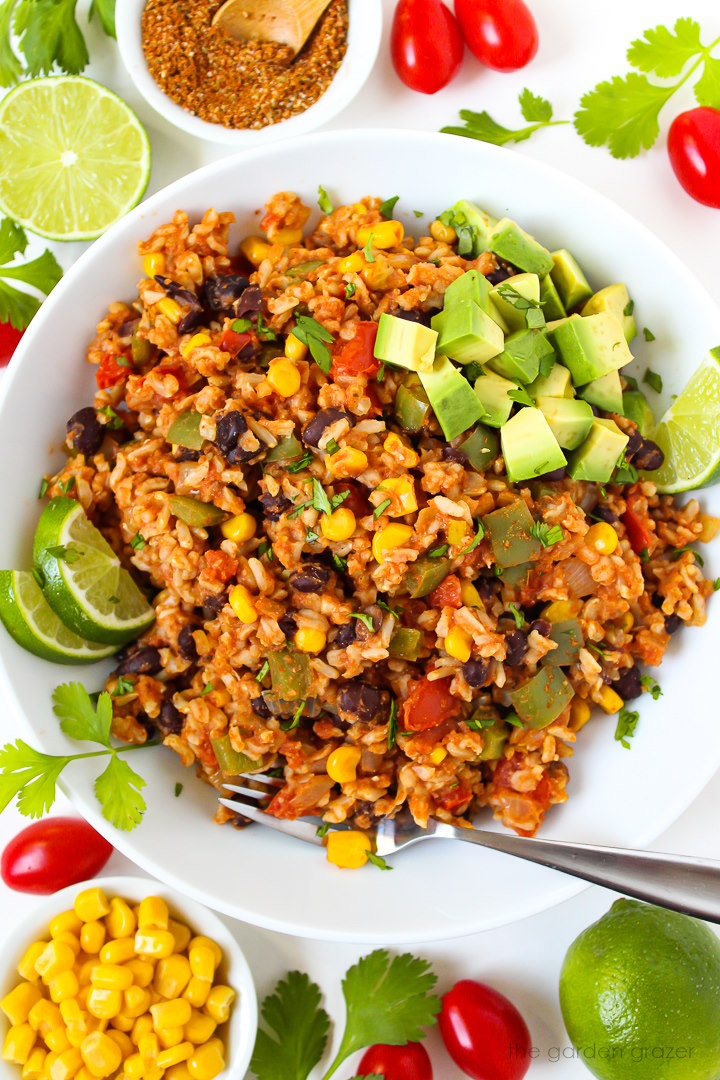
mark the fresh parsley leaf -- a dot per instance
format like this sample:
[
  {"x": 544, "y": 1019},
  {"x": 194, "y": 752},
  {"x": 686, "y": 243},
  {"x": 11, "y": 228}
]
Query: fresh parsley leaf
[
  {"x": 385, "y": 209},
  {"x": 178, "y": 790},
  {"x": 392, "y": 724},
  {"x": 677, "y": 552},
  {"x": 368, "y": 251},
  {"x": 366, "y": 620},
  {"x": 377, "y": 860},
  {"x": 301, "y": 463},
  {"x": 625, "y": 472},
  {"x": 298, "y": 1030},
  {"x": 42, "y": 273},
  {"x": 535, "y": 109},
  {"x": 622, "y": 114},
  {"x": 518, "y": 301},
  {"x": 653, "y": 380},
  {"x": 65, "y": 554},
  {"x": 648, "y": 334},
  {"x": 49, "y": 34},
  {"x": 626, "y": 724},
  {"x": 707, "y": 88},
  {"x": 317, "y": 338},
  {"x": 481, "y": 126},
  {"x": 324, "y": 200},
  {"x": 263, "y": 671},
  {"x": 381, "y": 508},
  {"x": 547, "y": 534},
  {"x": 122, "y": 686},
  {"x": 665, "y": 52},
  {"x": 105, "y": 11},
  {"x": 29, "y": 775},
  {"x": 79, "y": 718},
  {"x": 339, "y": 499},
  {"x": 241, "y": 326},
  {"x": 438, "y": 552},
  {"x": 652, "y": 686},
  {"x": 118, "y": 792},
  {"x": 350, "y": 290},
  {"x": 320, "y": 499},
  {"x": 520, "y": 395},
  {"x": 138, "y": 542},
  {"x": 517, "y": 616}
]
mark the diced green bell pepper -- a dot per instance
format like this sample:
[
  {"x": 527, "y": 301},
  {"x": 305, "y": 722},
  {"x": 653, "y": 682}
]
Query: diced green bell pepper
[
  {"x": 517, "y": 575},
  {"x": 290, "y": 674},
  {"x": 231, "y": 761},
  {"x": 510, "y": 533},
  {"x": 568, "y": 636},
  {"x": 405, "y": 643},
  {"x": 542, "y": 699},
  {"x": 494, "y": 739},
  {"x": 411, "y": 405},
  {"x": 481, "y": 446},
  {"x": 287, "y": 449},
  {"x": 425, "y": 575},
  {"x": 195, "y": 513},
  {"x": 185, "y": 430},
  {"x": 142, "y": 350}
]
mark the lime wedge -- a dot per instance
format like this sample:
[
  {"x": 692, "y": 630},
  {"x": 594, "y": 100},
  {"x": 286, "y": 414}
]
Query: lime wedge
[
  {"x": 73, "y": 157},
  {"x": 30, "y": 620},
  {"x": 85, "y": 584},
  {"x": 689, "y": 433}
]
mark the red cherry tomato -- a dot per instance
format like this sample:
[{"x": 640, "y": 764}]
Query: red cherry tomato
[
  {"x": 694, "y": 149},
  {"x": 484, "y": 1033},
  {"x": 9, "y": 340},
  {"x": 425, "y": 44},
  {"x": 409, "y": 1062},
  {"x": 501, "y": 33},
  {"x": 356, "y": 356},
  {"x": 428, "y": 704},
  {"x": 53, "y": 853}
]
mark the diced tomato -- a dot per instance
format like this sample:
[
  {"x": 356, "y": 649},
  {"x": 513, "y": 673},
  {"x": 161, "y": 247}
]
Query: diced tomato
[
  {"x": 234, "y": 343},
  {"x": 219, "y": 566},
  {"x": 447, "y": 593},
  {"x": 454, "y": 798},
  {"x": 112, "y": 370},
  {"x": 356, "y": 356},
  {"x": 429, "y": 704},
  {"x": 9, "y": 340},
  {"x": 638, "y": 534}
]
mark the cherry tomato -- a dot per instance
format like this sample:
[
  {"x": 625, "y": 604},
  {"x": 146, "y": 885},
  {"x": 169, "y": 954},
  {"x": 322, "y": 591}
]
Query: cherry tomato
[
  {"x": 694, "y": 149},
  {"x": 356, "y": 356},
  {"x": 110, "y": 372},
  {"x": 409, "y": 1062},
  {"x": 501, "y": 33},
  {"x": 53, "y": 853},
  {"x": 484, "y": 1033},
  {"x": 428, "y": 704},
  {"x": 426, "y": 44},
  {"x": 9, "y": 340}
]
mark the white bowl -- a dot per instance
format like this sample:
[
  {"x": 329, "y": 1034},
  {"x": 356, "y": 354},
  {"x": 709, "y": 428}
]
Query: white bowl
[
  {"x": 364, "y": 34},
  {"x": 436, "y": 890},
  {"x": 238, "y": 1034}
]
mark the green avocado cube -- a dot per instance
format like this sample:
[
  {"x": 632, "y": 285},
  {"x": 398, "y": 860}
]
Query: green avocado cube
[
  {"x": 529, "y": 446},
  {"x": 552, "y": 305},
  {"x": 569, "y": 280},
  {"x": 556, "y": 384},
  {"x": 405, "y": 344},
  {"x": 469, "y": 287},
  {"x": 613, "y": 300},
  {"x": 523, "y": 356},
  {"x": 467, "y": 333},
  {"x": 452, "y": 398},
  {"x": 590, "y": 346},
  {"x": 492, "y": 391},
  {"x": 605, "y": 392},
  {"x": 569, "y": 420},
  {"x": 514, "y": 245},
  {"x": 472, "y": 225},
  {"x": 635, "y": 407},
  {"x": 542, "y": 699},
  {"x": 504, "y": 303},
  {"x": 596, "y": 459},
  {"x": 509, "y": 530}
]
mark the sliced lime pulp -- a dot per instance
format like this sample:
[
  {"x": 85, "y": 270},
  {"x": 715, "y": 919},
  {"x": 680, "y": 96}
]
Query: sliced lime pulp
[{"x": 689, "y": 433}]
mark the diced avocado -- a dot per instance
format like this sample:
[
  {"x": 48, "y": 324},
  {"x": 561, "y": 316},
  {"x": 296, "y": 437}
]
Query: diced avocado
[
  {"x": 605, "y": 392},
  {"x": 599, "y": 454},
  {"x": 568, "y": 635},
  {"x": 526, "y": 285},
  {"x": 509, "y": 530},
  {"x": 521, "y": 249},
  {"x": 411, "y": 404},
  {"x": 590, "y": 347},
  {"x": 570, "y": 420},
  {"x": 553, "y": 307},
  {"x": 529, "y": 446},
  {"x": 492, "y": 392},
  {"x": 452, "y": 398},
  {"x": 636, "y": 408},
  {"x": 405, "y": 344},
  {"x": 557, "y": 384},
  {"x": 472, "y": 225},
  {"x": 470, "y": 286},
  {"x": 569, "y": 279},
  {"x": 481, "y": 446},
  {"x": 613, "y": 300},
  {"x": 553, "y": 324},
  {"x": 542, "y": 699},
  {"x": 467, "y": 333},
  {"x": 522, "y": 356}
]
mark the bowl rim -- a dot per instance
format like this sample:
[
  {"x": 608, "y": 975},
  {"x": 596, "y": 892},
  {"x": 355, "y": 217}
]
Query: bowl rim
[
  {"x": 364, "y": 37},
  {"x": 244, "y": 1019}
]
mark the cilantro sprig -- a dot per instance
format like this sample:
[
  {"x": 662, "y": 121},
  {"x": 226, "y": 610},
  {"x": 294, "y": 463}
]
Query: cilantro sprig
[
  {"x": 535, "y": 109},
  {"x": 317, "y": 338},
  {"x": 31, "y": 776},
  {"x": 48, "y": 35},
  {"x": 547, "y": 534},
  {"x": 626, "y": 725},
  {"x": 43, "y": 273}
]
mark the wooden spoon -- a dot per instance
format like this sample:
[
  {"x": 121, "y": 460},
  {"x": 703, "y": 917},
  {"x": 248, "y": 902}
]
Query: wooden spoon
[{"x": 289, "y": 22}]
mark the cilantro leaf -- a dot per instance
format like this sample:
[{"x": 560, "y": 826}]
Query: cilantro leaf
[
  {"x": 392, "y": 724},
  {"x": 385, "y": 209},
  {"x": 547, "y": 534},
  {"x": 652, "y": 686},
  {"x": 520, "y": 395},
  {"x": 517, "y": 616},
  {"x": 653, "y": 380},
  {"x": 49, "y": 35},
  {"x": 29, "y": 775},
  {"x": 535, "y": 108},
  {"x": 388, "y": 1001},
  {"x": 320, "y": 499},
  {"x": 377, "y": 860},
  {"x": 105, "y": 11},
  {"x": 481, "y": 126},
  {"x": 118, "y": 792},
  {"x": 368, "y": 251},
  {"x": 663, "y": 51},
  {"x": 79, "y": 718},
  {"x": 324, "y": 201},
  {"x": 626, "y": 725},
  {"x": 366, "y": 620},
  {"x": 43, "y": 273},
  {"x": 10, "y": 67},
  {"x": 707, "y": 88},
  {"x": 317, "y": 338},
  {"x": 298, "y": 1030},
  {"x": 622, "y": 114}
]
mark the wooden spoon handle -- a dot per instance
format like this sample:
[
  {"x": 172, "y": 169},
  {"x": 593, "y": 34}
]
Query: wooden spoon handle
[{"x": 289, "y": 22}]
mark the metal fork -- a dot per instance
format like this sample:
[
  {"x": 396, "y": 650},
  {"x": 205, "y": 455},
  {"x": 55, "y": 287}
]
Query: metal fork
[{"x": 679, "y": 882}]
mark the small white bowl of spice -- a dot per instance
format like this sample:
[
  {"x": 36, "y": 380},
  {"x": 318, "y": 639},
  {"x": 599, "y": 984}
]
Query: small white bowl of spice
[{"x": 187, "y": 63}]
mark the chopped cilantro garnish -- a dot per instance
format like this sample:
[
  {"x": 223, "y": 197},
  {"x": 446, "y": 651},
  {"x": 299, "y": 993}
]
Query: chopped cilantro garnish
[
  {"x": 265, "y": 333},
  {"x": 241, "y": 326},
  {"x": 626, "y": 724},
  {"x": 547, "y": 534},
  {"x": 323, "y": 830},
  {"x": 324, "y": 200},
  {"x": 123, "y": 686},
  {"x": 138, "y": 542},
  {"x": 644, "y": 555},
  {"x": 381, "y": 508},
  {"x": 302, "y": 463},
  {"x": 178, "y": 790},
  {"x": 44, "y": 485},
  {"x": 386, "y": 208},
  {"x": 317, "y": 338},
  {"x": 207, "y": 689},
  {"x": 67, "y": 485},
  {"x": 350, "y": 290},
  {"x": 292, "y": 724},
  {"x": 381, "y": 372},
  {"x": 114, "y": 421},
  {"x": 392, "y": 724},
  {"x": 517, "y": 616},
  {"x": 366, "y": 620},
  {"x": 653, "y": 380},
  {"x": 520, "y": 395},
  {"x": 331, "y": 447},
  {"x": 438, "y": 552},
  {"x": 652, "y": 686},
  {"x": 339, "y": 563},
  {"x": 479, "y": 536},
  {"x": 625, "y": 472},
  {"x": 629, "y": 308},
  {"x": 513, "y": 719},
  {"x": 311, "y": 536},
  {"x": 64, "y": 554},
  {"x": 677, "y": 552},
  {"x": 395, "y": 612},
  {"x": 368, "y": 251},
  {"x": 263, "y": 548},
  {"x": 377, "y": 860},
  {"x": 648, "y": 334},
  {"x": 262, "y": 672}
]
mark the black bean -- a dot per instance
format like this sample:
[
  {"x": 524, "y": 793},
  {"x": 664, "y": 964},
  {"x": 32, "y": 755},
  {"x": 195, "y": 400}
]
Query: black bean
[
  {"x": 171, "y": 720},
  {"x": 649, "y": 457},
  {"x": 240, "y": 455},
  {"x": 249, "y": 303},
  {"x": 186, "y": 644},
  {"x": 85, "y": 431},
  {"x": 359, "y": 701},
  {"x": 228, "y": 430},
  {"x": 220, "y": 293},
  {"x": 450, "y": 453},
  {"x": 595, "y": 410},
  {"x": 213, "y": 605},
  {"x": 516, "y": 645},
  {"x": 657, "y": 600},
  {"x": 127, "y": 329},
  {"x": 476, "y": 672},
  {"x": 604, "y": 514},
  {"x": 423, "y": 317},
  {"x": 542, "y": 626},
  {"x": 502, "y": 273},
  {"x": 673, "y": 623},
  {"x": 485, "y": 585},
  {"x": 313, "y": 431},
  {"x": 553, "y": 477},
  {"x": 144, "y": 661},
  {"x": 628, "y": 684},
  {"x": 634, "y": 444},
  {"x": 259, "y": 706},
  {"x": 274, "y": 506},
  {"x": 312, "y": 578},
  {"x": 184, "y": 453},
  {"x": 288, "y": 625},
  {"x": 346, "y": 634},
  {"x": 151, "y": 726},
  {"x": 194, "y": 315}
]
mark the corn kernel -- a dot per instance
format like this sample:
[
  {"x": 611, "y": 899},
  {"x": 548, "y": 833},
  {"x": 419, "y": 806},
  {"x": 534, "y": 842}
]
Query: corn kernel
[
  {"x": 172, "y": 976},
  {"x": 71, "y": 1013},
  {"x": 405, "y": 454},
  {"x": 56, "y": 1040},
  {"x": 34, "y": 1067},
  {"x": 469, "y": 595},
  {"x": 197, "y": 991},
  {"x": 342, "y": 764},
  {"x": 456, "y": 532},
  {"x": 181, "y": 933},
  {"x": 43, "y": 1016},
  {"x": 83, "y": 1074},
  {"x": 26, "y": 967},
  {"x": 92, "y": 937},
  {"x": 155, "y": 943},
  {"x": 287, "y": 237},
  {"x": 102, "y": 1057},
  {"x": 309, "y": 639},
  {"x": 148, "y": 1046},
  {"x": 111, "y": 977},
  {"x": 168, "y": 1037},
  {"x": 82, "y": 995},
  {"x": 154, "y": 263},
  {"x": 17, "y": 1004},
  {"x": 143, "y": 1026},
  {"x": 104, "y": 1003},
  {"x": 18, "y": 1043},
  {"x": 153, "y": 1071},
  {"x": 171, "y": 1014},
  {"x": 63, "y": 986},
  {"x": 153, "y": 914},
  {"x": 401, "y": 489},
  {"x": 239, "y": 528},
  {"x": 294, "y": 348},
  {"x": 348, "y": 850},
  {"x": 66, "y": 920},
  {"x": 255, "y": 249},
  {"x": 208, "y": 943},
  {"x": 608, "y": 700},
  {"x": 338, "y": 526},
  {"x": 136, "y": 1001},
  {"x": 142, "y": 971},
  {"x": 560, "y": 610},
  {"x": 438, "y": 755},
  {"x": 352, "y": 264},
  {"x": 170, "y": 309},
  {"x": 178, "y": 1072},
  {"x": 175, "y": 1054},
  {"x": 202, "y": 962},
  {"x": 241, "y": 601},
  {"x": 392, "y": 536},
  {"x": 118, "y": 951},
  {"x": 284, "y": 377},
  {"x": 134, "y": 1067},
  {"x": 120, "y": 920},
  {"x": 602, "y": 537},
  {"x": 199, "y": 1028},
  {"x": 458, "y": 643},
  {"x": 58, "y": 956},
  {"x": 208, "y": 1061},
  {"x": 49, "y": 1059},
  {"x": 123, "y": 1041},
  {"x": 444, "y": 234},
  {"x": 91, "y": 904},
  {"x": 383, "y": 235},
  {"x": 627, "y": 621},
  {"x": 195, "y": 342},
  {"x": 710, "y": 526},
  {"x": 377, "y": 275},
  {"x": 71, "y": 940},
  {"x": 66, "y": 1065},
  {"x": 347, "y": 462}
]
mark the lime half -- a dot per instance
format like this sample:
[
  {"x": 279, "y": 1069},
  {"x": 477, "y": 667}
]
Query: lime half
[
  {"x": 85, "y": 584},
  {"x": 73, "y": 157},
  {"x": 31, "y": 621},
  {"x": 689, "y": 433}
]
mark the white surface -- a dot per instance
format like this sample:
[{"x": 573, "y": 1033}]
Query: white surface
[
  {"x": 578, "y": 47},
  {"x": 238, "y": 1034}
]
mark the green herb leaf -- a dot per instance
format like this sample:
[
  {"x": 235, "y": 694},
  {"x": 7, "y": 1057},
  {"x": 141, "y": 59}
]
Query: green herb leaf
[
  {"x": 622, "y": 114},
  {"x": 207, "y": 689},
  {"x": 322, "y": 830},
  {"x": 44, "y": 485},
  {"x": 377, "y": 860},
  {"x": 350, "y": 290},
  {"x": 629, "y": 307},
  {"x": 392, "y": 724},
  {"x": 381, "y": 372},
  {"x": 381, "y": 508},
  {"x": 479, "y": 536},
  {"x": 105, "y": 11},
  {"x": 301, "y": 463},
  {"x": 632, "y": 384},
  {"x": 265, "y": 333},
  {"x": 395, "y": 612},
  {"x": 42, "y": 273},
  {"x": 49, "y": 34},
  {"x": 118, "y": 792},
  {"x": 10, "y": 67},
  {"x": 115, "y": 421},
  {"x": 262, "y": 672},
  {"x": 311, "y": 536},
  {"x": 625, "y": 472},
  {"x": 481, "y": 126},
  {"x": 716, "y": 584},
  {"x": 123, "y": 686},
  {"x": 65, "y": 554},
  {"x": 339, "y": 563},
  {"x": 297, "y": 715},
  {"x": 626, "y": 724},
  {"x": 547, "y": 534},
  {"x": 29, "y": 775},
  {"x": 513, "y": 720},
  {"x": 438, "y": 552},
  {"x": 648, "y": 334},
  {"x": 644, "y": 555},
  {"x": 263, "y": 548},
  {"x": 520, "y": 395},
  {"x": 241, "y": 326},
  {"x": 366, "y": 620},
  {"x": 386, "y": 208},
  {"x": 298, "y": 1030},
  {"x": 178, "y": 790},
  {"x": 534, "y": 108},
  {"x": 339, "y": 499},
  {"x": 707, "y": 88},
  {"x": 138, "y": 542},
  {"x": 652, "y": 686},
  {"x": 653, "y": 380},
  {"x": 331, "y": 447},
  {"x": 663, "y": 52},
  {"x": 324, "y": 200},
  {"x": 517, "y": 616},
  {"x": 368, "y": 251},
  {"x": 320, "y": 499},
  {"x": 317, "y": 338},
  {"x": 677, "y": 552},
  {"x": 68, "y": 485},
  {"x": 79, "y": 718}
]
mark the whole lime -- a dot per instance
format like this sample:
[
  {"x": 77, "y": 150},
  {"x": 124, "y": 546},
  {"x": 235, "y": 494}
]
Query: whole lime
[{"x": 640, "y": 995}]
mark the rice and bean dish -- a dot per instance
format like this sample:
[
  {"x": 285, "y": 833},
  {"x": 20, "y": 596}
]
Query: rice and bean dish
[{"x": 348, "y": 594}]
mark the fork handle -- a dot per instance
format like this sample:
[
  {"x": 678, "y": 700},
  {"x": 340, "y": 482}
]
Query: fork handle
[{"x": 678, "y": 882}]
